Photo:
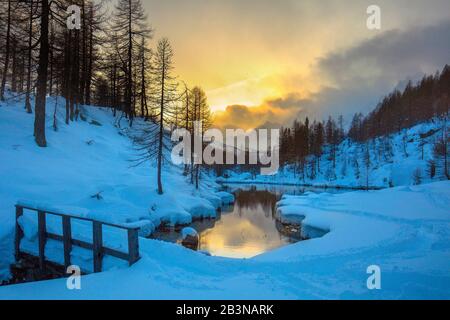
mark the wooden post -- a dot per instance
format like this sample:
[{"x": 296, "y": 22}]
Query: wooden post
[
  {"x": 97, "y": 239},
  {"x": 67, "y": 239},
  {"x": 42, "y": 239},
  {"x": 133, "y": 246},
  {"x": 98, "y": 244},
  {"x": 19, "y": 232}
]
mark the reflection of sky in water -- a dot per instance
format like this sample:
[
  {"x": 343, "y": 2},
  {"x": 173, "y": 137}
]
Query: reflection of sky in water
[
  {"x": 244, "y": 232},
  {"x": 246, "y": 229}
]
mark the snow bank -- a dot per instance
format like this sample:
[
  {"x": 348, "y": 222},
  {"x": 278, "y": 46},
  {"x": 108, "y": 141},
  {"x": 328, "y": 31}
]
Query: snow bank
[
  {"x": 86, "y": 170},
  {"x": 404, "y": 230},
  {"x": 360, "y": 219},
  {"x": 226, "y": 197}
]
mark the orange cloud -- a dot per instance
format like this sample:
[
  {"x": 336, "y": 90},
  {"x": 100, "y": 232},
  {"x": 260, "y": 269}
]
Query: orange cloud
[{"x": 271, "y": 113}]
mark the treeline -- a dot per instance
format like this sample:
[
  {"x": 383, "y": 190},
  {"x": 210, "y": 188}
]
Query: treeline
[
  {"x": 88, "y": 54},
  {"x": 399, "y": 110},
  {"x": 41, "y": 56},
  {"x": 303, "y": 144}
]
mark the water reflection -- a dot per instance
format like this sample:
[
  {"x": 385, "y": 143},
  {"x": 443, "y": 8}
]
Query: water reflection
[
  {"x": 278, "y": 189},
  {"x": 244, "y": 230}
]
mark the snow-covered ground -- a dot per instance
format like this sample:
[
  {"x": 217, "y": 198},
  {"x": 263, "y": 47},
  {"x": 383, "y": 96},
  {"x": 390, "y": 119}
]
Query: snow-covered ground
[
  {"x": 404, "y": 230},
  {"x": 394, "y": 161},
  {"x": 82, "y": 160}
]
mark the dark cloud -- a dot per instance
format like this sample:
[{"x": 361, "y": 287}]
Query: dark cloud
[
  {"x": 361, "y": 75},
  {"x": 357, "y": 77},
  {"x": 290, "y": 101},
  {"x": 245, "y": 117}
]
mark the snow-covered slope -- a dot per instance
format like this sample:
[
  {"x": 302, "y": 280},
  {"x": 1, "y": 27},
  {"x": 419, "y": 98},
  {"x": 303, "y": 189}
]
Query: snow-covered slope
[
  {"x": 86, "y": 158},
  {"x": 405, "y": 231},
  {"x": 396, "y": 160}
]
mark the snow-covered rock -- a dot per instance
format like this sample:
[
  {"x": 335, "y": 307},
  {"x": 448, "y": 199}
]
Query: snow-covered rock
[
  {"x": 188, "y": 231},
  {"x": 226, "y": 197},
  {"x": 190, "y": 238}
]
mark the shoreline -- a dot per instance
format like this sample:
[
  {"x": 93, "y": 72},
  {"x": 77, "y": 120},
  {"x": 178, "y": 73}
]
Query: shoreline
[{"x": 259, "y": 182}]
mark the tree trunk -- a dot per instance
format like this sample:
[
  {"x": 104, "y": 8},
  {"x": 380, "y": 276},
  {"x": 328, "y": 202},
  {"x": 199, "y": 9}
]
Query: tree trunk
[
  {"x": 161, "y": 132},
  {"x": 39, "y": 120},
  {"x": 51, "y": 60},
  {"x": 143, "y": 94},
  {"x": 14, "y": 64},
  {"x": 130, "y": 69},
  {"x": 82, "y": 79},
  {"x": 74, "y": 78},
  {"x": 67, "y": 72},
  {"x": 192, "y": 141},
  {"x": 55, "y": 122},
  {"x": 197, "y": 173},
  {"x": 445, "y": 139},
  {"x": 200, "y": 134},
  {"x": 114, "y": 90},
  {"x": 186, "y": 92},
  {"x": 91, "y": 53},
  {"x": 22, "y": 74},
  {"x": 30, "y": 32},
  {"x": 7, "y": 46}
]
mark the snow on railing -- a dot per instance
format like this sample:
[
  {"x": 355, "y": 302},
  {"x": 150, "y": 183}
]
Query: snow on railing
[{"x": 97, "y": 246}]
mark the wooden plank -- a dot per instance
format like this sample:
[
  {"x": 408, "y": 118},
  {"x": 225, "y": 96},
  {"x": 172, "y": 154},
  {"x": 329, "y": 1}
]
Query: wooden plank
[
  {"x": 115, "y": 253},
  {"x": 67, "y": 239},
  {"x": 74, "y": 242},
  {"x": 98, "y": 245},
  {"x": 19, "y": 232},
  {"x": 82, "y": 244},
  {"x": 42, "y": 238},
  {"x": 83, "y": 219},
  {"x": 133, "y": 246},
  {"x": 89, "y": 246}
]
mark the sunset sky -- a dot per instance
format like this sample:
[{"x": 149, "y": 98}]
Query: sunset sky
[{"x": 268, "y": 61}]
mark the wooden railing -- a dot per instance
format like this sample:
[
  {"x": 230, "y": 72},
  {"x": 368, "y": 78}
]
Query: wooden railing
[{"x": 97, "y": 247}]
